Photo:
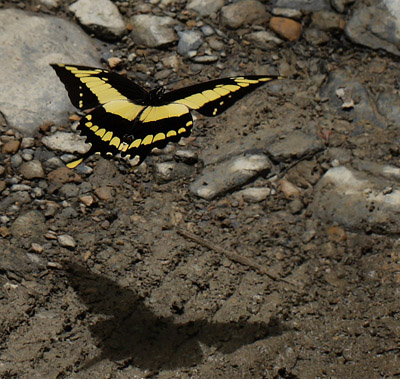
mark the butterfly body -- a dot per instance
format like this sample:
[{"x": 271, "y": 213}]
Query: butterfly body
[{"x": 131, "y": 121}]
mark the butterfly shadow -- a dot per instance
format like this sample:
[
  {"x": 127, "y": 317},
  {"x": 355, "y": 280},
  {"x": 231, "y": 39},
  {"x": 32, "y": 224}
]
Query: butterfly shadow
[{"x": 131, "y": 333}]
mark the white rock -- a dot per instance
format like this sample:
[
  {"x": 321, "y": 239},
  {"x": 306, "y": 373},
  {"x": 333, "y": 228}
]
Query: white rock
[
  {"x": 66, "y": 240},
  {"x": 66, "y": 142}
]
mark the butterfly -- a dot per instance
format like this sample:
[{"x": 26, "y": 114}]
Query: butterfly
[{"x": 124, "y": 118}]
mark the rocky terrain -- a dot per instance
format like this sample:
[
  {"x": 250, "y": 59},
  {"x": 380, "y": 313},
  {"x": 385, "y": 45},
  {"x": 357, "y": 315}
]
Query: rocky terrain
[{"x": 264, "y": 245}]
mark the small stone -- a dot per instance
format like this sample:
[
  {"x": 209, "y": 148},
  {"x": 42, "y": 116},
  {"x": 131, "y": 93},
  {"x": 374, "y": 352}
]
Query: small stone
[
  {"x": 66, "y": 240},
  {"x": 205, "y": 59},
  {"x": 16, "y": 160},
  {"x": 104, "y": 193},
  {"x": 288, "y": 189},
  {"x": 286, "y": 28},
  {"x": 32, "y": 170},
  {"x": 114, "y": 62},
  {"x": 189, "y": 157},
  {"x": 2, "y": 170},
  {"x": 205, "y": 7},
  {"x": 87, "y": 200},
  {"x": 243, "y": 12},
  {"x": 337, "y": 234},
  {"x": 188, "y": 41},
  {"x": 253, "y": 195},
  {"x": 295, "y": 206},
  {"x": 27, "y": 142},
  {"x": 11, "y": 147},
  {"x": 3, "y": 185},
  {"x": 4, "y": 231},
  {"x": 288, "y": 13},
  {"x": 37, "y": 248}
]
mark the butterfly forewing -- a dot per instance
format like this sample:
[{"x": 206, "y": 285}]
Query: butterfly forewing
[
  {"x": 214, "y": 97},
  {"x": 89, "y": 87}
]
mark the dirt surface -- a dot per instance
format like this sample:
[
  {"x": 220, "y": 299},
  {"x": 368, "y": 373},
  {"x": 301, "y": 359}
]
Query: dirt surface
[{"x": 136, "y": 297}]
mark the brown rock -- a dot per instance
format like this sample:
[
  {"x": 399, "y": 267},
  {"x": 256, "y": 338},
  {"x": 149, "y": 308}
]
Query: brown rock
[
  {"x": 289, "y": 189},
  {"x": 337, "y": 234},
  {"x": 104, "y": 193},
  {"x": 32, "y": 170},
  {"x": 286, "y": 28},
  {"x": 64, "y": 175},
  {"x": 11, "y": 147},
  {"x": 3, "y": 185}
]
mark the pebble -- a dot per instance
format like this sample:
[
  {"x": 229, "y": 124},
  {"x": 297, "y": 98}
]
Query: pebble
[
  {"x": 65, "y": 240},
  {"x": 243, "y": 12},
  {"x": 295, "y": 206},
  {"x": 11, "y": 147},
  {"x": 207, "y": 30},
  {"x": 37, "y": 248},
  {"x": 205, "y": 59},
  {"x": 189, "y": 40},
  {"x": 32, "y": 170},
  {"x": 205, "y": 7},
  {"x": 337, "y": 234},
  {"x": 104, "y": 193},
  {"x": 114, "y": 62},
  {"x": 153, "y": 31},
  {"x": 189, "y": 157},
  {"x": 87, "y": 200},
  {"x": 253, "y": 195},
  {"x": 101, "y": 17},
  {"x": 289, "y": 189},
  {"x": 286, "y": 28},
  {"x": 327, "y": 21},
  {"x": 288, "y": 13},
  {"x": 16, "y": 161},
  {"x": 27, "y": 142},
  {"x": 263, "y": 39},
  {"x": 3, "y": 185}
]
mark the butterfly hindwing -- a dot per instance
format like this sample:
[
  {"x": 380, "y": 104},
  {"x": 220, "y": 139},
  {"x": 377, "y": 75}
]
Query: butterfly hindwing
[
  {"x": 89, "y": 87},
  {"x": 213, "y": 97},
  {"x": 110, "y": 130}
]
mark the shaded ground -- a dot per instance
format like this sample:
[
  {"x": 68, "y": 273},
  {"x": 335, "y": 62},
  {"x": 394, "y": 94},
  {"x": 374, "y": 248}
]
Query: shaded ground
[{"x": 135, "y": 298}]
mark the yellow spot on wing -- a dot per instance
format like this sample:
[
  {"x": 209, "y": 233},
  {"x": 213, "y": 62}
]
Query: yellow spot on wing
[
  {"x": 147, "y": 140},
  {"x": 154, "y": 114},
  {"x": 88, "y": 124},
  {"x": 124, "y": 109},
  {"x": 189, "y": 123},
  {"x": 135, "y": 143},
  {"x": 159, "y": 137},
  {"x": 211, "y": 95},
  {"x": 107, "y": 136},
  {"x": 115, "y": 142},
  {"x": 89, "y": 117},
  {"x": 171, "y": 133},
  {"x": 221, "y": 91},
  {"x": 231, "y": 87},
  {"x": 94, "y": 128},
  {"x": 181, "y": 130},
  {"x": 100, "y": 132}
]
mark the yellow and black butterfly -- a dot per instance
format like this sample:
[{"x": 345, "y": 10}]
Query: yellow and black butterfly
[{"x": 127, "y": 119}]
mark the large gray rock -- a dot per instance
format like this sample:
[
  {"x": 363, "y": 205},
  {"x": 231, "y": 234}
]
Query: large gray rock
[
  {"x": 377, "y": 26},
  {"x": 229, "y": 175},
  {"x": 359, "y": 201},
  {"x": 304, "y": 5},
  {"x": 347, "y": 96},
  {"x": 30, "y": 92},
  {"x": 243, "y": 12},
  {"x": 100, "y": 17}
]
